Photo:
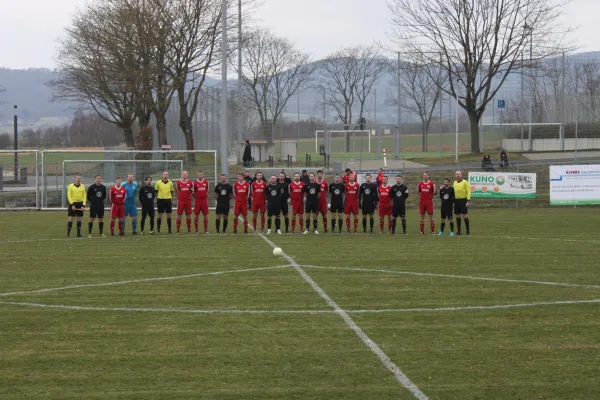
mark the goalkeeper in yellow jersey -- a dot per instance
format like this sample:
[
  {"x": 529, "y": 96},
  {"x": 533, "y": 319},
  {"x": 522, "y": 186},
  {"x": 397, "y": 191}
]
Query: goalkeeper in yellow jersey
[{"x": 76, "y": 196}]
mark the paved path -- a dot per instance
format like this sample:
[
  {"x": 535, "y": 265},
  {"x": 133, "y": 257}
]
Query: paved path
[{"x": 562, "y": 156}]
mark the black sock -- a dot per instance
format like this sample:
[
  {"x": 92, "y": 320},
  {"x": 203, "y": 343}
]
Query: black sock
[
  {"x": 287, "y": 224},
  {"x": 158, "y": 221},
  {"x": 78, "y": 228},
  {"x": 151, "y": 224},
  {"x": 269, "y": 224},
  {"x": 364, "y": 223},
  {"x": 90, "y": 225},
  {"x": 467, "y": 225},
  {"x": 217, "y": 223},
  {"x": 372, "y": 223},
  {"x": 69, "y": 226},
  {"x": 451, "y": 226},
  {"x": 333, "y": 224},
  {"x": 225, "y": 222},
  {"x": 458, "y": 225},
  {"x": 404, "y": 225},
  {"x": 443, "y": 226},
  {"x": 307, "y": 223},
  {"x": 394, "y": 225},
  {"x": 340, "y": 224},
  {"x": 315, "y": 223},
  {"x": 101, "y": 227},
  {"x": 143, "y": 222},
  {"x": 169, "y": 224},
  {"x": 277, "y": 223}
]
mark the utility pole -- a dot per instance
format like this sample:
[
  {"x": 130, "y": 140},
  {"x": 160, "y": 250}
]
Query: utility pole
[
  {"x": 16, "y": 144},
  {"x": 241, "y": 119},
  {"x": 399, "y": 128},
  {"x": 224, "y": 119}
]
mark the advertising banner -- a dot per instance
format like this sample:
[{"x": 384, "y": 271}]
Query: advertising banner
[
  {"x": 574, "y": 185},
  {"x": 502, "y": 185}
]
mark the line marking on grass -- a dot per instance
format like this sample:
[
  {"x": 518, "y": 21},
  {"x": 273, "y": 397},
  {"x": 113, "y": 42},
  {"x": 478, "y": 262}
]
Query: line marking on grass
[
  {"x": 166, "y": 278},
  {"x": 389, "y": 364},
  {"x": 477, "y": 278}
]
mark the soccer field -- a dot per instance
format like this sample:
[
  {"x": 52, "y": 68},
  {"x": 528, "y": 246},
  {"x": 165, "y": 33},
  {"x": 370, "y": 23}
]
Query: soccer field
[{"x": 510, "y": 312}]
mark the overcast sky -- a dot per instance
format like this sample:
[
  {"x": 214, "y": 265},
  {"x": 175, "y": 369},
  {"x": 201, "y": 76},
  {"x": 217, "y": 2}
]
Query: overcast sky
[{"x": 29, "y": 28}]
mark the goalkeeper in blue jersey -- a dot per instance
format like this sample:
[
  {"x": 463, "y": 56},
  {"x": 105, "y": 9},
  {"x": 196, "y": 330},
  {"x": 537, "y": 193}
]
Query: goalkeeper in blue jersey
[{"x": 130, "y": 208}]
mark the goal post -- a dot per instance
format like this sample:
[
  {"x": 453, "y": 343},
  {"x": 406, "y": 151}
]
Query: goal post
[
  {"x": 338, "y": 138},
  {"x": 519, "y": 136},
  {"x": 110, "y": 170}
]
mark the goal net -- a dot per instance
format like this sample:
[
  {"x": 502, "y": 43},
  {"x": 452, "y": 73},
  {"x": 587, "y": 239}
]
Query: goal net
[{"x": 342, "y": 141}]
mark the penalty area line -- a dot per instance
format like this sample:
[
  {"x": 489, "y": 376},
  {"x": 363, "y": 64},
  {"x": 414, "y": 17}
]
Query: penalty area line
[
  {"x": 387, "y": 362},
  {"x": 166, "y": 278}
]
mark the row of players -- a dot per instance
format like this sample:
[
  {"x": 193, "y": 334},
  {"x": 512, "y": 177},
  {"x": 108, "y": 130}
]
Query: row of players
[{"x": 310, "y": 199}]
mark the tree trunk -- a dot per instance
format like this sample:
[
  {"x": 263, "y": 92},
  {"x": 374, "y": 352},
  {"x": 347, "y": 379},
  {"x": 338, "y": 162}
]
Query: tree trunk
[
  {"x": 474, "y": 123},
  {"x": 129, "y": 142},
  {"x": 161, "y": 129},
  {"x": 185, "y": 124}
]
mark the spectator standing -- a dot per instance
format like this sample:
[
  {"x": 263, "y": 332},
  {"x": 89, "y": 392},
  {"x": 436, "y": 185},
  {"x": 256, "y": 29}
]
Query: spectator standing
[{"x": 247, "y": 156}]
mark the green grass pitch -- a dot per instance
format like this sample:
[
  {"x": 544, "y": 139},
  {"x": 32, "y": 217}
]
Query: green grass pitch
[{"x": 231, "y": 321}]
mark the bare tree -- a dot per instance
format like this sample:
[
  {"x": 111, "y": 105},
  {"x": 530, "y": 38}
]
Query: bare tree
[
  {"x": 481, "y": 43},
  {"x": 422, "y": 91},
  {"x": 273, "y": 72}
]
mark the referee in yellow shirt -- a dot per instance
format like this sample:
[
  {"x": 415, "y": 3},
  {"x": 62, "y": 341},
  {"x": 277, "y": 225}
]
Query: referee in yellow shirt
[
  {"x": 164, "y": 195},
  {"x": 77, "y": 196},
  {"x": 462, "y": 200}
]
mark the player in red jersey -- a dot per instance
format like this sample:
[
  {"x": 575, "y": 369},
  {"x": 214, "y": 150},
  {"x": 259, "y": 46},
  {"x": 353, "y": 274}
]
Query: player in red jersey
[
  {"x": 427, "y": 191},
  {"x": 351, "y": 206},
  {"x": 201, "y": 201},
  {"x": 241, "y": 192},
  {"x": 185, "y": 191},
  {"x": 259, "y": 202},
  {"x": 116, "y": 198},
  {"x": 346, "y": 177},
  {"x": 323, "y": 208},
  {"x": 297, "y": 201},
  {"x": 385, "y": 203}
]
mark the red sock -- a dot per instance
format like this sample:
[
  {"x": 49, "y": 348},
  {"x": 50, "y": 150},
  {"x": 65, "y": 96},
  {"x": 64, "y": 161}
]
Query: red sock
[
  {"x": 355, "y": 223},
  {"x": 196, "y": 219},
  {"x": 422, "y": 226},
  {"x": 348, "y": 223},
  {"x": 120, "y": 226},
  {"x": 262, "y": 222},
  {"x": 178, "y": 224},
  {"x": 245, "y": 225},
  {"x": 188, "y": 222},
  {"x": 302, "y": 222},
  {"x": 432, "y": 223},
  {"x": 381, "y": 224},
  {"x": 293, "y": 224},
  {"x": 254, "y": 222},
  {"x": 235, "y": 224},
  {"x": 206, "y": 223},
  {"x": 112, "y": 226},
  {"x": 325, "y": 223}
]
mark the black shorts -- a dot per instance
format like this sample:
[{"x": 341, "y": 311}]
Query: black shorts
[
  {"x": 223, "y": 208},
  {"x": 368, "y": 209},
  {"x": 97, "y": 211},
  {"x": 446, "y": 211},
  {"x": 460, "y": 206},
  {"x": 148, "y": 210},
  {"x": 312, "y": 208},
  {"x": 337, "y": 208},
  {"x": 284, "y": 208},
  {"x": 164, "y": 206},
  {"x": 273, "y": 211},
  {"x": 73, "y": 213},
  {"x": 399, "y": 211}
]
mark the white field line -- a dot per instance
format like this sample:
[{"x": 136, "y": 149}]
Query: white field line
[
  {"x": 477, "y": 278},
  {"x": 389, "y": 364},
  {"x": 366, "y": 311},
  {"x": 166, "y": 278}
]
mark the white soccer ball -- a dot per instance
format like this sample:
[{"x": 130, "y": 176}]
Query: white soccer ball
[{"x": 277, "y": 252}]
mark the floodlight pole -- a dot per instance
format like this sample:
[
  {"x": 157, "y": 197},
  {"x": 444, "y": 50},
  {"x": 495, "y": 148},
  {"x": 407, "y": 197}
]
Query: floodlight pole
[
  {"x": 456, "y": 131},
  {"x": 16, "y": 144},
  {"x": 224, "y": 111},
  {"x": 241, "y": 120},
  {"x": 399, "y": 128}
]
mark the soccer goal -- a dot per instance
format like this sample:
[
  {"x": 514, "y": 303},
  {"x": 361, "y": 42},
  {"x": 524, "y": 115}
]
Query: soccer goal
[
  {"x": 535, "y": 136},
  {"x": 110, "y": 170},
  {"x": 342, "y": 141}
]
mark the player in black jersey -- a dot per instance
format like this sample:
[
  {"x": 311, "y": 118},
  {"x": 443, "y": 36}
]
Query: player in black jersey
[
  {"x": 147, "y": 197},
  {"x": 337, "y": 190},
  {"x": 311, "y": 193},
  {"x": 224, "y": 193},
  {"x": 273, "y": 195},
  {"x": 399, "y": 196},
  {"x": 96, "y": 194},
  {"x": 447, "y": 197},
  {"x": 367, "y": 201},
  {"x": 284, "y": 183}
]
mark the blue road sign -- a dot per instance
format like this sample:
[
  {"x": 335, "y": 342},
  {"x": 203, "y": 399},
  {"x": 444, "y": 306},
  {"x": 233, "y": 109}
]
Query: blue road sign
[{"x": 501, "y": 104}]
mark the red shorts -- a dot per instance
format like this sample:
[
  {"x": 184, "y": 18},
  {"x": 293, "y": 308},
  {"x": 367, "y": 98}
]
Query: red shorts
[
  {"x": 184, "y": 206},
  {"x": 323, "y": 207},
  {"x": 351, "y": 208},
  {"x": 201, "y": 206},
  {"x": 297, "y": 208},
  {"x": 262, "y": 207},
  {"x": 426, "y": 207},
  {"x": 385, "y": 209},
  {"x": 117, "y": 211},
  {"x": 240, "y": 208}
]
